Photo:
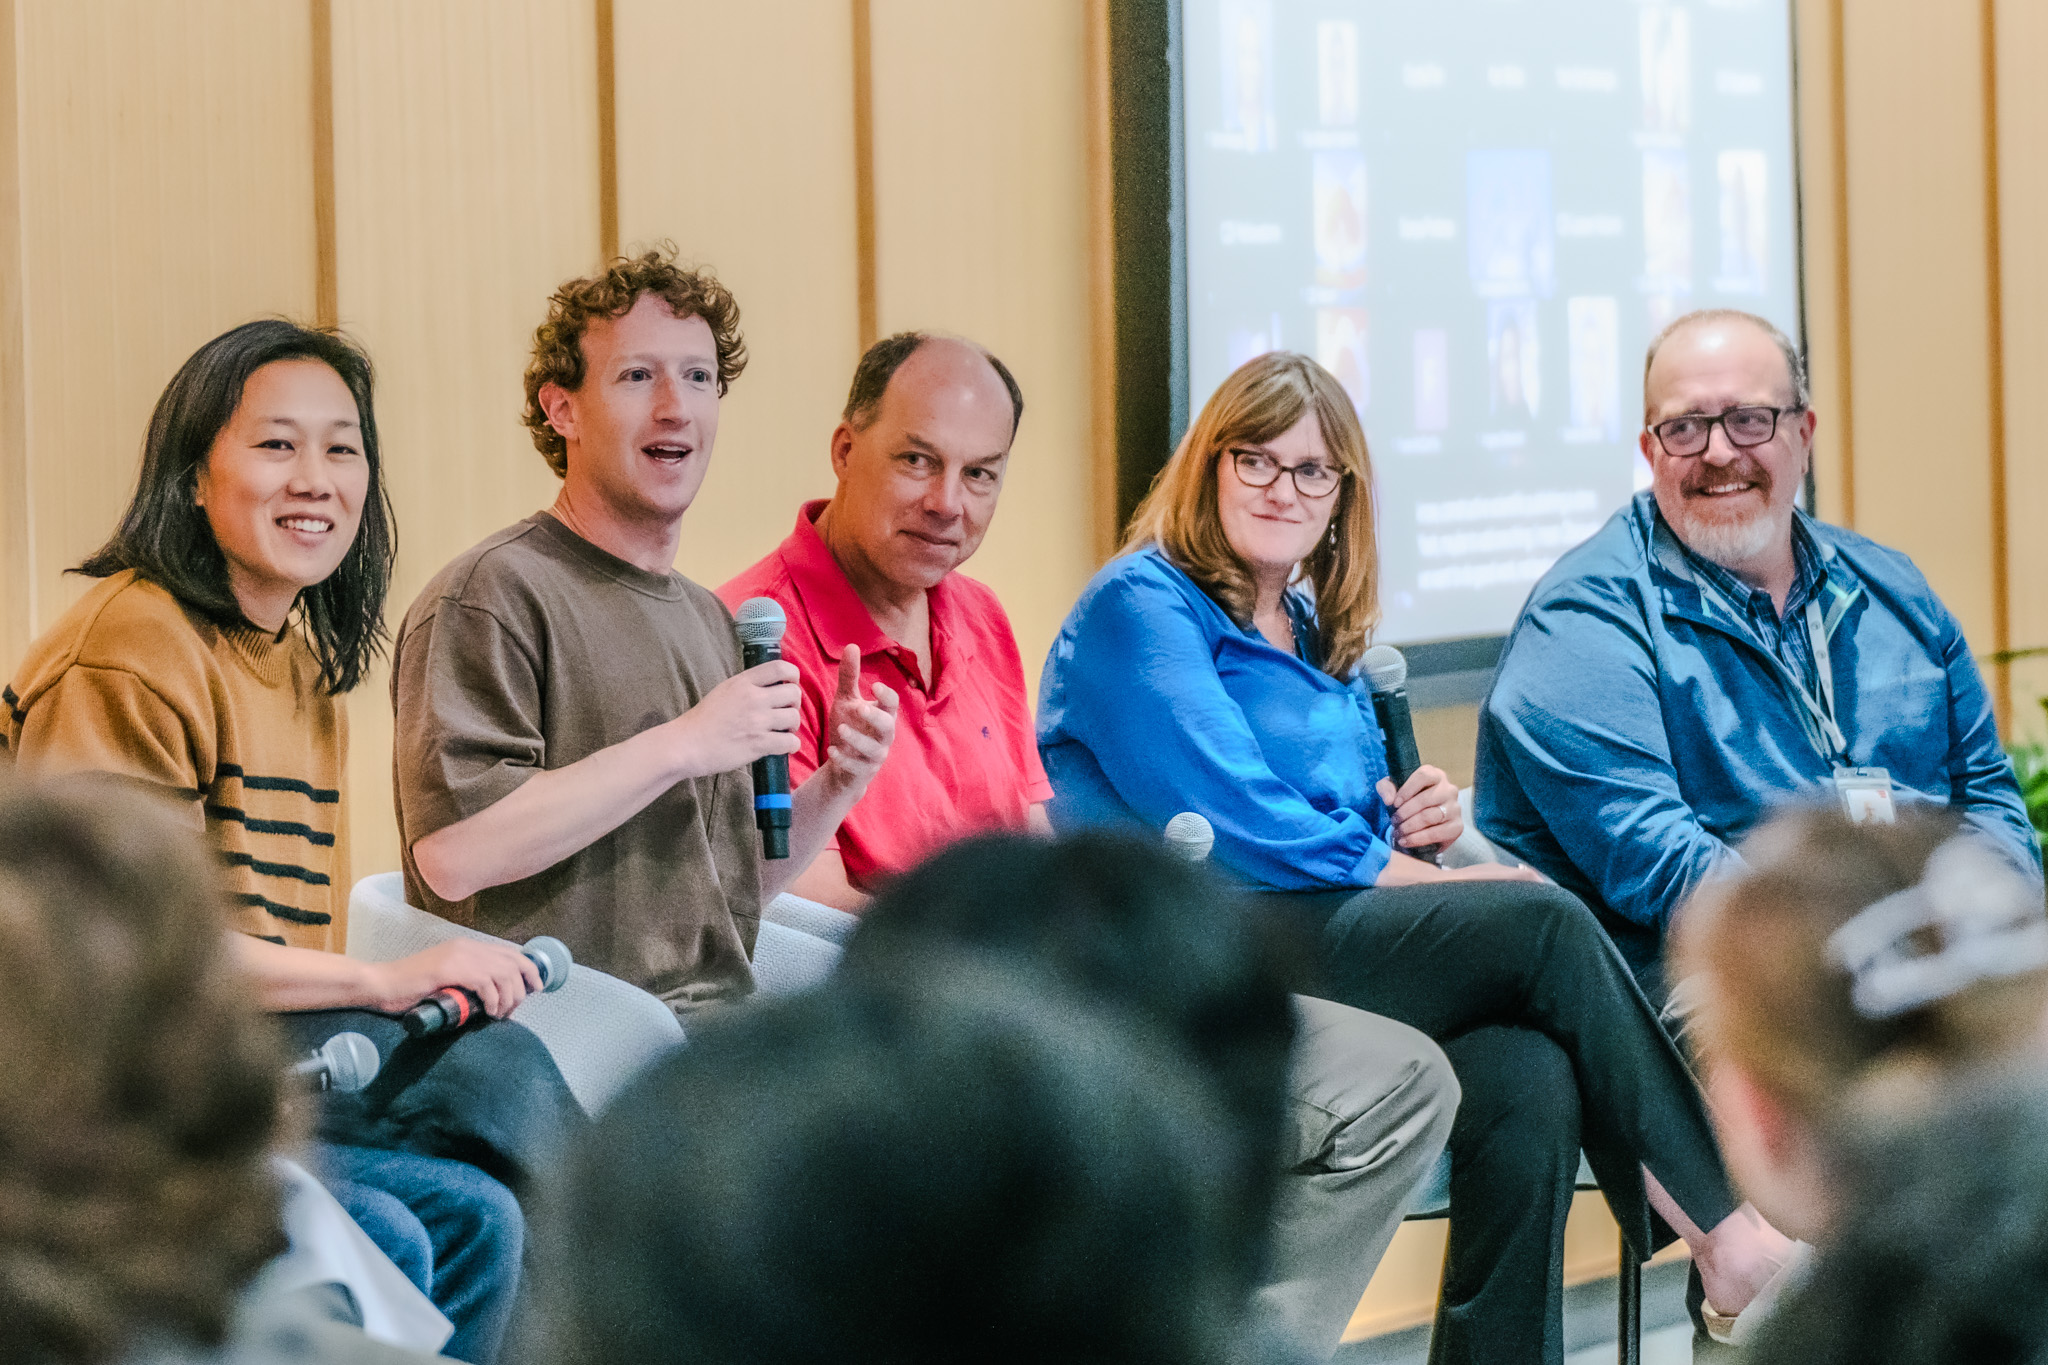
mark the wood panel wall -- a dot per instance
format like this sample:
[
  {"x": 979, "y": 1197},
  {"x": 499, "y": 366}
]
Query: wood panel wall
[{"x": 429, "y": 171}]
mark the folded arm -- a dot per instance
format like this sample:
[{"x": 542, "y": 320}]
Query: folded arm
[
  {"x": 1576, "y": 702},
  {"x": 1982, "y": 788}
]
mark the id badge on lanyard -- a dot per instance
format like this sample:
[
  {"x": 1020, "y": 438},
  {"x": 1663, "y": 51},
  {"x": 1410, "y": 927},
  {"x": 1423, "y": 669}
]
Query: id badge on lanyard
[{"x": 1866, "y": 795}]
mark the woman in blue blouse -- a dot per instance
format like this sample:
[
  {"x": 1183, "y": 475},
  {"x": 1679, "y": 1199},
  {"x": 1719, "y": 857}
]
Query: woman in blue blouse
[{"x": 1212, "y": 667}]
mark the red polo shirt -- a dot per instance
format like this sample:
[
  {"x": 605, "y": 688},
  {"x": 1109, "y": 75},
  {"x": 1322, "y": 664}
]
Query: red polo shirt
[{"x": 965, "y": 760}]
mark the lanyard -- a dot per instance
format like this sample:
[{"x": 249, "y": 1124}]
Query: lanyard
[{"x": 1823, "y": 710}]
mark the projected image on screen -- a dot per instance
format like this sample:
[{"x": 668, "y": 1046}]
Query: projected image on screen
[{"x": 1476, "y": 213}]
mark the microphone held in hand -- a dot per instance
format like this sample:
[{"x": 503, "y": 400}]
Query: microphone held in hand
[
  {"x": 346, "y": 1062},
  {"x": 1387, "y": 672},
  {"x": 759, "y": 623},
  {"x": 1191, "y": 836},
  {"x": 454, "y": 1006}
]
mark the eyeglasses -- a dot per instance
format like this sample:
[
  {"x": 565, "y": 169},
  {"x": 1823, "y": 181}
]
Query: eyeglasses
[
  {"x": 1312, "y": 478},
  {"x": 1688, "y": 435}
]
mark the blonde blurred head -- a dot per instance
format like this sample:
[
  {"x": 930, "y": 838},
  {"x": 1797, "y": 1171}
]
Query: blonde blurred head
[
  {"x": 1261, "y": 400},
  {"x": 1790, "y": 1058}
]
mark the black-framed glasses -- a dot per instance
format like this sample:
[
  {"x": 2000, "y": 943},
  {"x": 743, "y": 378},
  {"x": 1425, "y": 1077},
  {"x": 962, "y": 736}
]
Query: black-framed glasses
[
  {"x": 1688, "y": 435},
  {"x": 1312, "y": 478}
]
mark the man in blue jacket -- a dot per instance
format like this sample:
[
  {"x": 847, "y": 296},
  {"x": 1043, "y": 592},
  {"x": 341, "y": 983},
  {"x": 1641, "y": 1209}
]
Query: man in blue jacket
[{"x": 1713, "y": 651}]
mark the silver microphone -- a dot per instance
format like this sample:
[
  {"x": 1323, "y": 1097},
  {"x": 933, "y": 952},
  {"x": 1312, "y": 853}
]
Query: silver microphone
[
  {"x": 345, "y": 1062},
  {"x": 1190, "y": 836}
]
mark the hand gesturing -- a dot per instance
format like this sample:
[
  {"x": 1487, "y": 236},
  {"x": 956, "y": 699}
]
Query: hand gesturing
[{"x": 858, "y": 732}]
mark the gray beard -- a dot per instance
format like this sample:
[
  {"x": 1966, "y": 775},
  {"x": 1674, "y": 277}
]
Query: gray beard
[{"x": 1732, "y": 543}]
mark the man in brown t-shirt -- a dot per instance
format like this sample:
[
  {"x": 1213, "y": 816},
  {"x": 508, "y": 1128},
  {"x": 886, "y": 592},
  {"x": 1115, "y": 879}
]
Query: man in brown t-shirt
[{"x": 574, "y": 728}]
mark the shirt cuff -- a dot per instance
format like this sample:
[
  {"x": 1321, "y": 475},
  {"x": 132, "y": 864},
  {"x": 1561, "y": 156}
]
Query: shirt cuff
[{"x": 1377, "y": 855}]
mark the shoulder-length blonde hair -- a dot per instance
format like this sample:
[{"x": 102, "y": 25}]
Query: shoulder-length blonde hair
[{"x": 1258, "y": 402}]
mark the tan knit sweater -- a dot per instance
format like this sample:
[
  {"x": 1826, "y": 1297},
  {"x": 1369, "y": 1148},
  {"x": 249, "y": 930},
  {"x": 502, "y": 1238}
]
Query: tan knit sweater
[{"x": 230, "y": 722}]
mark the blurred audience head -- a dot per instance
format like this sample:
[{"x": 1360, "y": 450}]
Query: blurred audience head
[
  {"x": 1939, "y": 1253},
  {"x": 1257, "y": 405},
  {"x": 139, "y": 1086},
  {"x": 1848, "y": 971},
  {"x": 564, "y": 352},
  {"x": 203, "y": 521},
  {"x": 969, "y": 1167},
  {"x": 919, "y": 456},
  {"x": 1139, "y": 932}
]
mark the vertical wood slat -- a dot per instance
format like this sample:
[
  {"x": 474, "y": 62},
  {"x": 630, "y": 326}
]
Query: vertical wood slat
[
  {"x": 1101, "y": 284},
  {"x": 326, "y": 288},
  {"x": 607, "y": 131},
  {"x": 1845, "y": 369},
  {"x": 1994, "y": 294},
  {"x": 864, "y": 169},
  {"x": 17, "y": 519}
]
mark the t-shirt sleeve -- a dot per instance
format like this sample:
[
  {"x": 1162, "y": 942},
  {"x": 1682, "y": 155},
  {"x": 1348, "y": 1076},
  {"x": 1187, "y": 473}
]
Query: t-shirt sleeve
[
  {"x": 467, "y": 694},
  {"x": 110, "y": 720}
]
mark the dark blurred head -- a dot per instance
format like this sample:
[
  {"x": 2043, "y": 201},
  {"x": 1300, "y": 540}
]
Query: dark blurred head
[
  {"x": 1940, "y": 1254},
  {"x": 968, "y": 1168},
  {"x": 139, "y": 1086},
  {"x": 1140, "y": 932}
]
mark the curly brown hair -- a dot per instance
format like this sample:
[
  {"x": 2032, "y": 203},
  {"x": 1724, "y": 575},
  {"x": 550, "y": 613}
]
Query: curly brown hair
[
  {"x": 689, "y": 291},
  {"x": 139, "y": 1083}
]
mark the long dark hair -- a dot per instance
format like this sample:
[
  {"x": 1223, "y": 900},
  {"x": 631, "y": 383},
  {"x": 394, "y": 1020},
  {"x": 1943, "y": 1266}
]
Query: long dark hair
[{"x": 165, "y": 537}]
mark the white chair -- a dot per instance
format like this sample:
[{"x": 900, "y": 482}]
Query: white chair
[
  {"x": 809, "y": 917},
  {"x": 789, "y": 961},
  {"x": 600, "y": 1030}
]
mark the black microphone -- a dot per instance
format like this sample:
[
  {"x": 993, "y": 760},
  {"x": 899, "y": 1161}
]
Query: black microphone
[
  {"x": 759, "y": 623},
  {"x": 454, "y": 1006},
  {"x": 1387, "y": 672},
  {"x": 345, "y": 1062}
]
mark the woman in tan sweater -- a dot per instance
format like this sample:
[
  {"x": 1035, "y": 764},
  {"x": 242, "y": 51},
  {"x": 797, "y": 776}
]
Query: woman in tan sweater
[{"x": 241, "y": 596}]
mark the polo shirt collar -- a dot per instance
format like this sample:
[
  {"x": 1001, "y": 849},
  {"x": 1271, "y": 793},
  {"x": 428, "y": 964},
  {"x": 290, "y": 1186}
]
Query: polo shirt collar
[{"x": 841, "y": 618}]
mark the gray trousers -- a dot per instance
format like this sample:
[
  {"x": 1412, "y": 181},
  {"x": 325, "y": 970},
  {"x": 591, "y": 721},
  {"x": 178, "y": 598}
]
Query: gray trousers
[{"x": 1371, "y": 1103}]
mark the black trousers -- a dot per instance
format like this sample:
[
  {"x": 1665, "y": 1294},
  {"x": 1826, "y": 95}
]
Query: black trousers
[{"x": 1556, "y": 1049}]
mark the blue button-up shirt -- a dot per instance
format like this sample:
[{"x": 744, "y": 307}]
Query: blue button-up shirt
[{"x": 1155, "y": 702}]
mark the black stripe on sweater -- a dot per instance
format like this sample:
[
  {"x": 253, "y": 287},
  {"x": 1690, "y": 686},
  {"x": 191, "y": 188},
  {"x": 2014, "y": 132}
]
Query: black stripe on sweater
[
  {"x": 256, "y": 826},
  {"x": 319, "y": 795},
  {"x": 261, "y": 868},
  {"x": 290, "y": 913}
]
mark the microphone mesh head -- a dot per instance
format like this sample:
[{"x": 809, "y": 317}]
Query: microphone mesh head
[
  {"x": 760, "y": 621},
  {"x": 1385, "y": 669},
  {"x": 551, "y": 955},
  {"x": 352, "y": 1061},
  {"x": 1191, "y": 836}
]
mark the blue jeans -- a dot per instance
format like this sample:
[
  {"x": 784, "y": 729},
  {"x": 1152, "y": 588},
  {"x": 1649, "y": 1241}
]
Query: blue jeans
[{"x": 455, "y": 1232}]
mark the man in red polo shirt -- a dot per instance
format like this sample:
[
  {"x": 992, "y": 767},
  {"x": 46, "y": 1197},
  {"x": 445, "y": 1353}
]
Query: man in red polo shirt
[{"x": 920, "y": 458}]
